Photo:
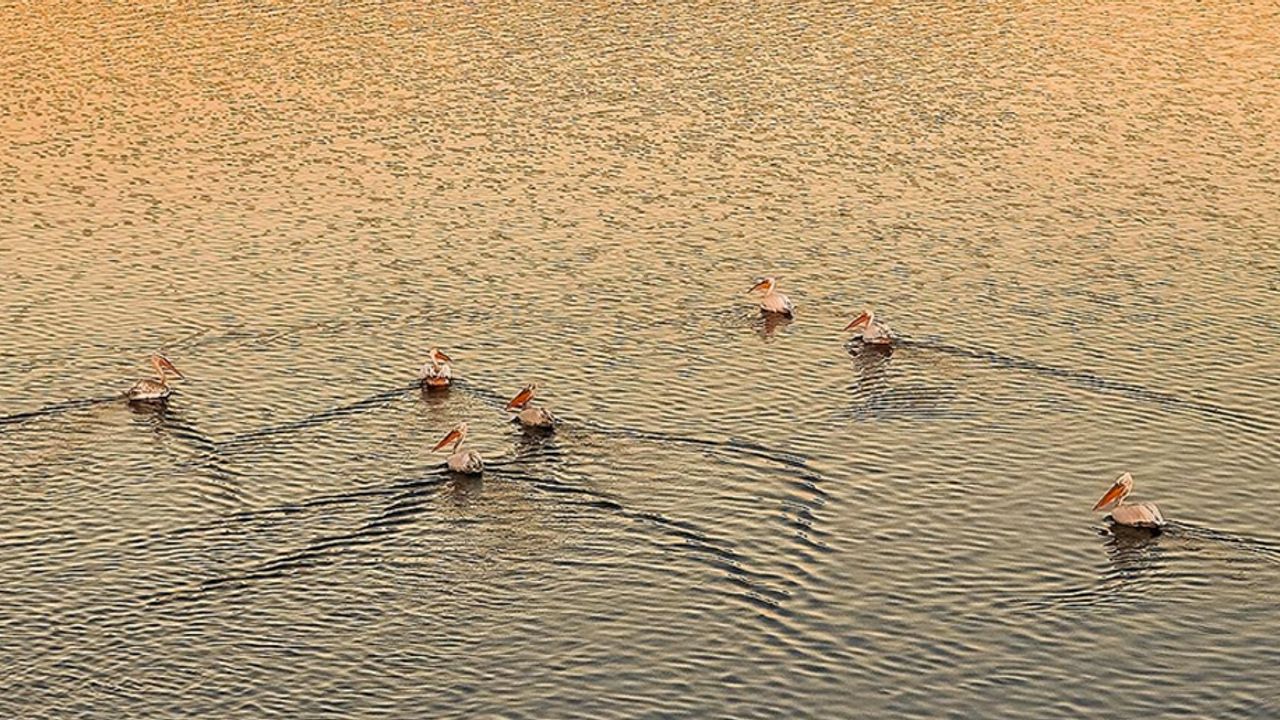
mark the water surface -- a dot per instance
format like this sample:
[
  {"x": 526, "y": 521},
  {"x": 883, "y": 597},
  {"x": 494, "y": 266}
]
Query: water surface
[{"x": 1070, "y": 212}]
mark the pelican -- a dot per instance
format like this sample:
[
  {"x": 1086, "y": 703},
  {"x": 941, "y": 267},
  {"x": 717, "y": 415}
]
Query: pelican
[
  {"x": 1142, "y": 515},
  {"x": 874, "y": 332},
  {"x": 466, "y": 462},
  {"x": 529, "y": 416},
  {"x": 773, "y": 301},
  {"x": 156, "y": 388},
  {"x": 436, "y": 373}
]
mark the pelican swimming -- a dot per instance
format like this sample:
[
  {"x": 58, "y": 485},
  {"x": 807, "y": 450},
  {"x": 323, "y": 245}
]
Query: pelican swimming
[
  {"x": 874, "y": 332},
  {"x": 1143, "y": 514},
  {"x": 466, "y": 462},
  {"x": 773, "y": 301},
  {"x": 156, "y": 388},
  {"x": 436, "y": 373},
  {"x": 530, "y": 416}
]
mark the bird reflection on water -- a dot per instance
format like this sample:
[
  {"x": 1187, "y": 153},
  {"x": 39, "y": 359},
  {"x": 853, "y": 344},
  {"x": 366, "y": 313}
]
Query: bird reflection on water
[
  {"x": 769, "y": 323},
  {"x": 868, "y": 352},
  {"x": 162, "y": 418},
  {"x": 151, "y": 412},
  {"x": 870, "y": 366},
  {"x": 464, "y": 489},
  {"x": 1136, "y": 561},
  {"x": 1133, "y": 551}
]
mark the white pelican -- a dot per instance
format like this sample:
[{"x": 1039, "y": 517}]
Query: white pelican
[
  {"x": 530, "y": 416},
  {"x": 436, "y": 373},
  {"x": 156, "y": 388},
  {"x": 874, "y": 332},
  {"x": 466, "y": 462},
  {"x": 773, "y": 301},
  {"x": 1143, "y": 515}
]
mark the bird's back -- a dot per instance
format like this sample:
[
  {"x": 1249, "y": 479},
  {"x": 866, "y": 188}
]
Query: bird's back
[
  {"x": 1143, "y": 514},
  {"x": 147, "y": 389},
  {"x": 466, "y": 461},
  {"x": 777, "y": 302},
  {"x": 536, "y": 417},
  {"x": 877, "y": 332},
  {"x": 435, "y": 373}
]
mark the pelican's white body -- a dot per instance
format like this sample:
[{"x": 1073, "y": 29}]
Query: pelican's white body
[
  {"x": 148, "y": 389},
  {"x": 467, "y": 462},
  {"x": 775, "y": 302},
  {"x": 536, "y": 418},
  {"x": 436, "y": 374},
  {"x": 1143, "y": 515}
]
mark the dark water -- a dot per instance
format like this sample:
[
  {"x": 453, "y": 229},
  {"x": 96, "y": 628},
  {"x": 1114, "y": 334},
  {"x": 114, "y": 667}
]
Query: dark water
[{"x": 1071, "y": 211}]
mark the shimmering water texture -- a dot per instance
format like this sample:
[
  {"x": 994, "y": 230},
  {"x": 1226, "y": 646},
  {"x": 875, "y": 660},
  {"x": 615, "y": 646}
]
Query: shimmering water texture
[{"x": 1069, "y": 212}]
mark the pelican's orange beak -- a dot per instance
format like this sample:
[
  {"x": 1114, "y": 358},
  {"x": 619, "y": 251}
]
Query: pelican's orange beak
[
  {"x": 762, "y": 285},
  {"x": 1112, "y": 495},
  {"x": 860, "y": 320},
  {"x": 451, "y": 437},
  {"x": 163, "y": 362},
  {"x": 520, "y": 400},
  {"x": 442, "y": 357}
]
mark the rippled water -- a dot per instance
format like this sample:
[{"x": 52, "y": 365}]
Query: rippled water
[{"x": 1070, "y": 211}]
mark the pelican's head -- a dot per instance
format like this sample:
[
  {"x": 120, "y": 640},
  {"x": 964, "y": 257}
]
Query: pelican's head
[
  {"x": 523, "y": 397},
  {"x": 1116, "y": 494},
  {"x": 862, "y": 320},
  {"x": 437, "y": 356},
  {"x": 164, "y": 367},
  {"x": 455, "y": 436},
  {"x": 766, "y": 286}
]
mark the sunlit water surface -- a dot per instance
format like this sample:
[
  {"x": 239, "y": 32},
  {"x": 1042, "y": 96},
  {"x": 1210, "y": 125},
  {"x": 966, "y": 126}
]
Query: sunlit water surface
[{"x": 1070, "y": 211}]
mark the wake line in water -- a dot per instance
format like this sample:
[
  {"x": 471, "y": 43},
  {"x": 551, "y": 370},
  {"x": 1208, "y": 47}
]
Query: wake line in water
[
  {"x": 324, "y": 416},
  {"x": 411, "y": 489},
  {"x": 1266, "y": 549},
  {"x": 799, "y": 513},
  {"x": 732, "y": 445},
  {"x": 407, "y": 499},
  {"x": 224, "y": 486},
  {"x": 686, "y": 531},
  {"x": 318, "y": 552},
  {"x": 55, "y": 409},
  {"x": 763, "y": 590},
  {"x": 208, "y": 458},
  {"x": 1097, "y": 382},
  {"x": 212, "y": 459},
  {"x": 290, "y": 509},
  {"x": 1140, "y": 565}
]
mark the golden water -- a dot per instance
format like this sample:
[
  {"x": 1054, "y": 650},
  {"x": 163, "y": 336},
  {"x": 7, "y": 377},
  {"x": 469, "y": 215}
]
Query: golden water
[{"x": 1070, "y": 210}]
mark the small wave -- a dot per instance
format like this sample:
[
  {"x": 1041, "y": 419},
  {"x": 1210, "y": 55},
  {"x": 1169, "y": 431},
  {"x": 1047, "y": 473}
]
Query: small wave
[
  {"x": 342, "y": 411},
  {"x": 1096, "y": 382},
  {"x": 55, "y": 409},
  {"x": 1142, "y": 562}
]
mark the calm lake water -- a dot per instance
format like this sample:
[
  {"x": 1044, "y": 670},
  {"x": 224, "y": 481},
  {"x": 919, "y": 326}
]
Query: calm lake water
[{"x": 1071, "y": 211}]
